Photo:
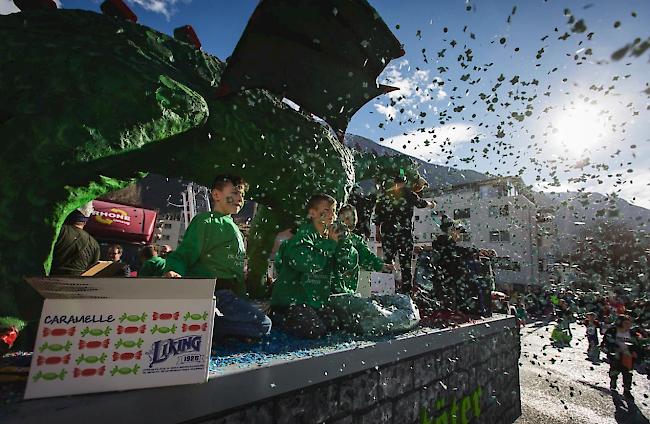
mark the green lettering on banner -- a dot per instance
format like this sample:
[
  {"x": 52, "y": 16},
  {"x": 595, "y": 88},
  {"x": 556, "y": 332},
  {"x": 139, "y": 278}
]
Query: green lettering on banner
[{"x": 470, "y": 405}]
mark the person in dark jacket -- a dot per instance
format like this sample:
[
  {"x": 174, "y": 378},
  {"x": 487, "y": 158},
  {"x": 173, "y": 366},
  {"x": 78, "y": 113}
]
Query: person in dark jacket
[
  {"x": 75, "y": 251},
  {"x": 621, "y": 344},
  {"x": 393, "y": 215},
  {"x": 114, "y": 254}
]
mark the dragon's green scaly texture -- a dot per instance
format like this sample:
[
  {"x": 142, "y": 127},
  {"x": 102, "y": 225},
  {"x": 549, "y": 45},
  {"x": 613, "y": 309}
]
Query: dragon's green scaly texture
[{"x": 89, "y": 103}]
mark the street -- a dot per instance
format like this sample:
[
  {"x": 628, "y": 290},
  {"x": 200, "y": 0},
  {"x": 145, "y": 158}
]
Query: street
[{"x": 562, "y": 386}]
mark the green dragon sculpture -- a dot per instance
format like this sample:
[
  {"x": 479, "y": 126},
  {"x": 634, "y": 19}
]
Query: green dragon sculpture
[{"x": 90, "y": 103}]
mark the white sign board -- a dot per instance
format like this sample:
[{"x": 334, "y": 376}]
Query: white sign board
[
  {"x": 105, "y": 334},
  {"x": 382, "y": 283}
]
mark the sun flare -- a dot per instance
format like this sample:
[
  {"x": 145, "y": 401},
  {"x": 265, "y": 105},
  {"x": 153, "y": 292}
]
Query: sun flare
[{"x": 581, "y": 127}]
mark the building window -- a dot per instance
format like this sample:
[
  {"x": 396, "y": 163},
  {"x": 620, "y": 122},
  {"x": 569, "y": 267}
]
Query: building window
[
  {"x": 499, "y": 236},
  {"x": 167, "y": 225},
  {"x": 165, "y": 236},
  {"x": 496, "y": 211},
  {"x": 540, "y": 265},
  {"x": 507, "y": 264},
  {"x": 461, "y": 213}
]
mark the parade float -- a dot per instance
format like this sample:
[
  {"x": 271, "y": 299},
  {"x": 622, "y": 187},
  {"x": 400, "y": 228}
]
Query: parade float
[{"x": 92, "y": 102}]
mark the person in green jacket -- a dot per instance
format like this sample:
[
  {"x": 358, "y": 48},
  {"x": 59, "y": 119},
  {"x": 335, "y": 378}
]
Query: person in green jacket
[
  {"x": 152, "y": 264},
  {"x": 213, "y": 247},
  {"x": 347, "y": 280},
  {"x": 305, "y": 265},
  {"x": 379, "y": 314}
]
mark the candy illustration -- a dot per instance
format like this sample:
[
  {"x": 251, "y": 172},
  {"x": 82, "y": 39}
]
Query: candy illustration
[
  {"x": 131, "y": 329},
  {"x": 133, "y": 318},
  {"x": 127, "y": 356},
  {"x": 52, "y": 360},
  {"x": 58, "y": 331},
  {"x": 129, "y": 343},
  {"x": 195, "y": 317},
  {"x": 55, "y": 347},
  {"x": 89, "y": 372},
  {"x": 91, "y": 359},
  {"x": 96, "y": 331},
  {"x": 93, "y": 344},
  {"x": 125, "y": 370},
  {"x": 50, "y": 376},
  {"x": 163, "y": 330},
  {"x": 195, "y": 327},
  {"x": 166, "y": 316}
]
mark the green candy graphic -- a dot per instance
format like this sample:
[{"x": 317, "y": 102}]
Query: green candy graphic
[
  {"x": 91, "y": 359},
  {"x": 196, "y": 317},
  {"x": 55, "y": 347},
  {"x": 129, "y": 343},
  {"x": 133, "y": 318},
  {"x": 125, "y": 370},
  {"x": 96, "y": 331},
  {"x": 50, "y": 376},
  {"x": 163, "y": 330}
]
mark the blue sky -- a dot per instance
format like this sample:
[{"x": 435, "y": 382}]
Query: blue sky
[{"x": 578, "y": 135}]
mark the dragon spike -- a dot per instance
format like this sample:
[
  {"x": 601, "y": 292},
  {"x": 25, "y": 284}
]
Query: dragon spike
[
  {"x": 187, "y": 34},
  {"x": 28, "y": 5},
  {"x": 118, "y": 9},
  {"x": 387, "y": 88}
]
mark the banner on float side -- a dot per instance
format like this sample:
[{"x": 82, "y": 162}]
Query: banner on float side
[{"x": 106, "y": 334}]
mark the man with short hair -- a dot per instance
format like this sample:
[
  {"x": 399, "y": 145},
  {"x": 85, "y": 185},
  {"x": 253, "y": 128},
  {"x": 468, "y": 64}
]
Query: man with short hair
[
  {"x": 75, "y": 251},
  {"x": 114, "y": 254},
  {"x": 393, "y": 215},
  {"x": 165, "y": 250},
  {"x": 213, "y": 247}
]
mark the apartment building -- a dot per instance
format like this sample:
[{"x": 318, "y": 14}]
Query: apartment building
[{"x": 498, "y": 214}]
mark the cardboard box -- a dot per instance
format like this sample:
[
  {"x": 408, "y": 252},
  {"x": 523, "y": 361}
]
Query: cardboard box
[
  {"x": 382, "y": 283},
  {"x": 105, "y": 334}
]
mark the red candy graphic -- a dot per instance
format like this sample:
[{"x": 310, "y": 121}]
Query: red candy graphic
[
  {"x": 195, "y": 327},
  {"x": 59, "y": 331},
  {"x": 52, "y": 360},
  {"x": 131, "y": 330},
  {"x": 89, "y": 372},
  {"x": 166, "y": 316},
  {"x": 94, "y": 344},
  {"x": 127, "y": 356}
]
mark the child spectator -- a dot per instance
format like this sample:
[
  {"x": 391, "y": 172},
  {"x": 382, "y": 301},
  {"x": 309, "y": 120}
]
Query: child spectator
[
  {"x": 213, "y": 247},
  {"x": 305, "y": 265},
  {"x": 152, "y": 264},
  {"x": 592, "y": 325},
  {"x": 347, "y": 281},
  {"x": 621, "y": 344}
]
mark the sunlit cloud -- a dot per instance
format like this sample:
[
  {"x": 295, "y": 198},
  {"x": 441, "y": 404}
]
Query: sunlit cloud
[
  {"x": 416, "y": 90},
  {"x": 426, "y": 143},
  {"x": 164, "y": 7}
]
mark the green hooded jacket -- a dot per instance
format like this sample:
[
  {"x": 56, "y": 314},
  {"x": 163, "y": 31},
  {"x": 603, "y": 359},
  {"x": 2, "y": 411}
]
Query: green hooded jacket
[
  {"x": 152, "y": 267},
  {"x": 347, "y": 280},
  {"x": 306, "y": 265},
  {"x": 212, "y": 247}
]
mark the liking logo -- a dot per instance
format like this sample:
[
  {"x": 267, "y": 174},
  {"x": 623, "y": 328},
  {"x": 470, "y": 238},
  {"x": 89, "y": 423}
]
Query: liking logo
[{"x": 162, "y": 350}]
